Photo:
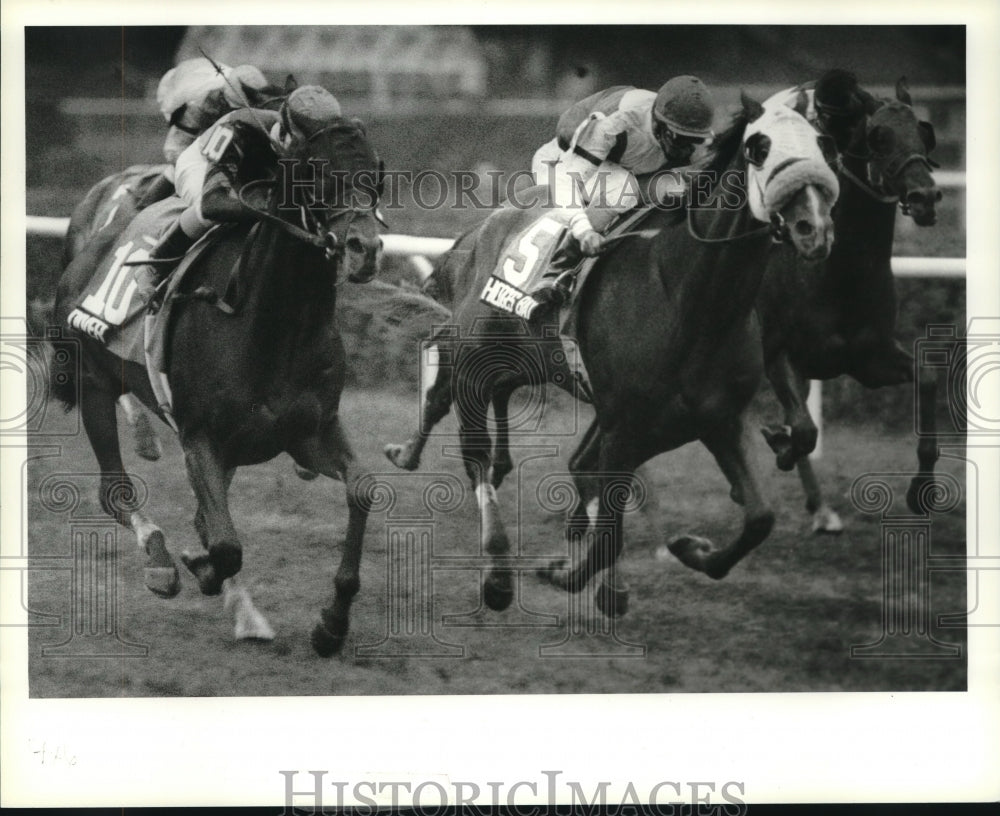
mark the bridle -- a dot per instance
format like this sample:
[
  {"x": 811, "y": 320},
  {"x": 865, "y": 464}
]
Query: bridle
[{"x": 877, "y": 184}]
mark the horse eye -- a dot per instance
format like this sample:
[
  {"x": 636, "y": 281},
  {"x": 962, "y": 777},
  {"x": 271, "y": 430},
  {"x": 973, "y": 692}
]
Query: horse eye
[
  {"x": 757, "y": 149},
  {"x": 881, "y": 139}
]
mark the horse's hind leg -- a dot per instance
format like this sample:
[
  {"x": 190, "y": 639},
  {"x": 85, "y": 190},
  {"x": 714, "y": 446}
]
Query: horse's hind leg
[
  {"x": 498, "y": 586},
  {"x": 435, "y": 404},
  {"x": 209, "y": 482},
  {"x": 147, "y": 443},
  {"x": 501, "y": 464},
  {"x": 730, "y": 445},
  {"x": 118, "y": 497},
  {"x": 330, "y": 453}
]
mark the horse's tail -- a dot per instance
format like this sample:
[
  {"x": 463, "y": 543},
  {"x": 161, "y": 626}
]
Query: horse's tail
[{"x": 442, "y": 282}]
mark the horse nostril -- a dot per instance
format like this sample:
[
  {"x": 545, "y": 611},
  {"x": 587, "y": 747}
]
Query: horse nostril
[
  {"x": 804, "y": 227},
  {"x": 354, "y": 244}
]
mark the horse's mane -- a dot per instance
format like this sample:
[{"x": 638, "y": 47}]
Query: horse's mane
[{"x": 726, "y": 144}]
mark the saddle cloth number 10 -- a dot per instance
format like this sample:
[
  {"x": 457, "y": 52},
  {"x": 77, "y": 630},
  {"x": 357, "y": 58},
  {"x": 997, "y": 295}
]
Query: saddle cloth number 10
[{"x": 102, "y": 303}]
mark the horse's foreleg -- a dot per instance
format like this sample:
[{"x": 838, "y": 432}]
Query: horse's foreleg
[
  {"x": 435, "y": 404},
  {"x": 824, "y": 518},
  {"x": 147, "y": 443},
  {"x": 330, "y": 453},
  {"x": 562, "y": 572},
  {"x": 798, "y": 436},
  {"x": 208, "y": 479},
  {"x": 602, "y": 468},
  {"x": 921, "y": 493},
  {"x": 118, "y": 497},
  {"x": 730, "y": 445}
]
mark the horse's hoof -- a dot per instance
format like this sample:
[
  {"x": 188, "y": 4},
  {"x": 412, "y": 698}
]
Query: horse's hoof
[
  {"x": 305, "y": 474},
  {"x": 324, "y": 642},
  {"x": 558, "y": 574},
  {"x": 611, "y": 601},
  {"x": 696, "y": 552},
  {"x": 147, "y": 443},
  {"x": 786, "y": 459},
  {"x": 227, "y": 558},
  {"x": 826, "y": 521},
  {"x": 399, "y": 456},
  {"x": 498, "y": 591},
  {"x": 201, "y": 568},
  {"x": 162, "y": 581}
]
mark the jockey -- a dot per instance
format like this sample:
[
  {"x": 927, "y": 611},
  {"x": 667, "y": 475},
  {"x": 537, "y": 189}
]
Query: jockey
[
  {"x": 239, "y": 147},
  {"x": 192, "y": 96},
  {"x": 834, "y": 104},
  {"x": 610, "y": 138}
]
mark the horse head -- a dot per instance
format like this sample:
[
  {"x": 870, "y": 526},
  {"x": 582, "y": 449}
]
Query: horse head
[
  {"x": 344, "y": 184},
  {"x": 897, "y": 146},
  {"x": 789, "y": 180}
]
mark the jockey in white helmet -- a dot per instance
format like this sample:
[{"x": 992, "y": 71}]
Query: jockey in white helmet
[
  {"x": 238, "y": 148},
  {"x": 192, "y": 96}
]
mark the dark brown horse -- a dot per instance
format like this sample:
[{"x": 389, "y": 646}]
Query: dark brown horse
[
  {"x": 250, "y": 385},
  {"x": 839, "y": 318},
  {"x": 669, "y": 339}
]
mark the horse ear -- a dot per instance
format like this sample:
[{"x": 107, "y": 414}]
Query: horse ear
[
  {"x": 868, "y": 102},
  {"x": 801, "y": 102},
  {"x": 751, "y": 107},
  {"x": 903, "y": 91},
  {"x": 828, "y": 146},
  {"x": 927, "y": 136},
  {"x": 291, "y": 83}
]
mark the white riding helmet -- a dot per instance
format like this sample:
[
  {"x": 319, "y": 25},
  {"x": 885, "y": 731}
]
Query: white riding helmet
[
  {"x": 187, "y": 83},
  {"x": 242, "y": 78}
]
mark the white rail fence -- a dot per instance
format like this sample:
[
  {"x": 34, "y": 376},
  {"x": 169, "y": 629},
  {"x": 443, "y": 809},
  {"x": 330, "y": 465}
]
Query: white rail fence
[{"x": 420, "y": 248}]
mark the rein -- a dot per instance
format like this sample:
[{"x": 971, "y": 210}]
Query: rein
[
  {"x": 776, "y": 228},
  {"x": 876, "y": 189},
  {"x": 327, "y": 242}
]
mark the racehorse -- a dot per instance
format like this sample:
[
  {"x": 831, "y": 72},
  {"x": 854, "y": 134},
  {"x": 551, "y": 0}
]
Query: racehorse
[
  {"x": 839, "y": 318},
  {"x": 667, "y": 332},
  {"x": 111, "y": 204},
  {"x": 249, "y": 385}
]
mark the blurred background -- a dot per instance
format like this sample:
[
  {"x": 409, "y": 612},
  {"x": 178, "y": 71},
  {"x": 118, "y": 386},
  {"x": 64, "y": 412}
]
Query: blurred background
[{"x": 482, "y": 98}]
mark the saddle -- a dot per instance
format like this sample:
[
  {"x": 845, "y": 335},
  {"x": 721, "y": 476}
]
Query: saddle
[
  {"x": 536, "y": 254},
  {"x": 131, "y": 316}
]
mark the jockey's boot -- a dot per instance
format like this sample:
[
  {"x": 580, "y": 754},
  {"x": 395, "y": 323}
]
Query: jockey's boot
[
  {"x": 556, "y": 287},
  {"x": 163, "y": 259}
]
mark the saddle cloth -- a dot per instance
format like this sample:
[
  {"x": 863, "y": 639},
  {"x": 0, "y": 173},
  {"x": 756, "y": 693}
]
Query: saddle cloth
[
  {"x": 526, "y": 261},
  {"x": 114, "y": 305}
]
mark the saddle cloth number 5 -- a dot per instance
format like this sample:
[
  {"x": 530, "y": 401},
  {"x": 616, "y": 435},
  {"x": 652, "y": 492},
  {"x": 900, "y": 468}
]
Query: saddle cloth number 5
[
  {"x": 535, "y": 244},
  {"x": 102, "y": 302}
]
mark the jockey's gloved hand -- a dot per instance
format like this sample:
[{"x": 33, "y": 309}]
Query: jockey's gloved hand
[
  {"x": 591, "y": 243},
  {"x": 587, "y": 237}
]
